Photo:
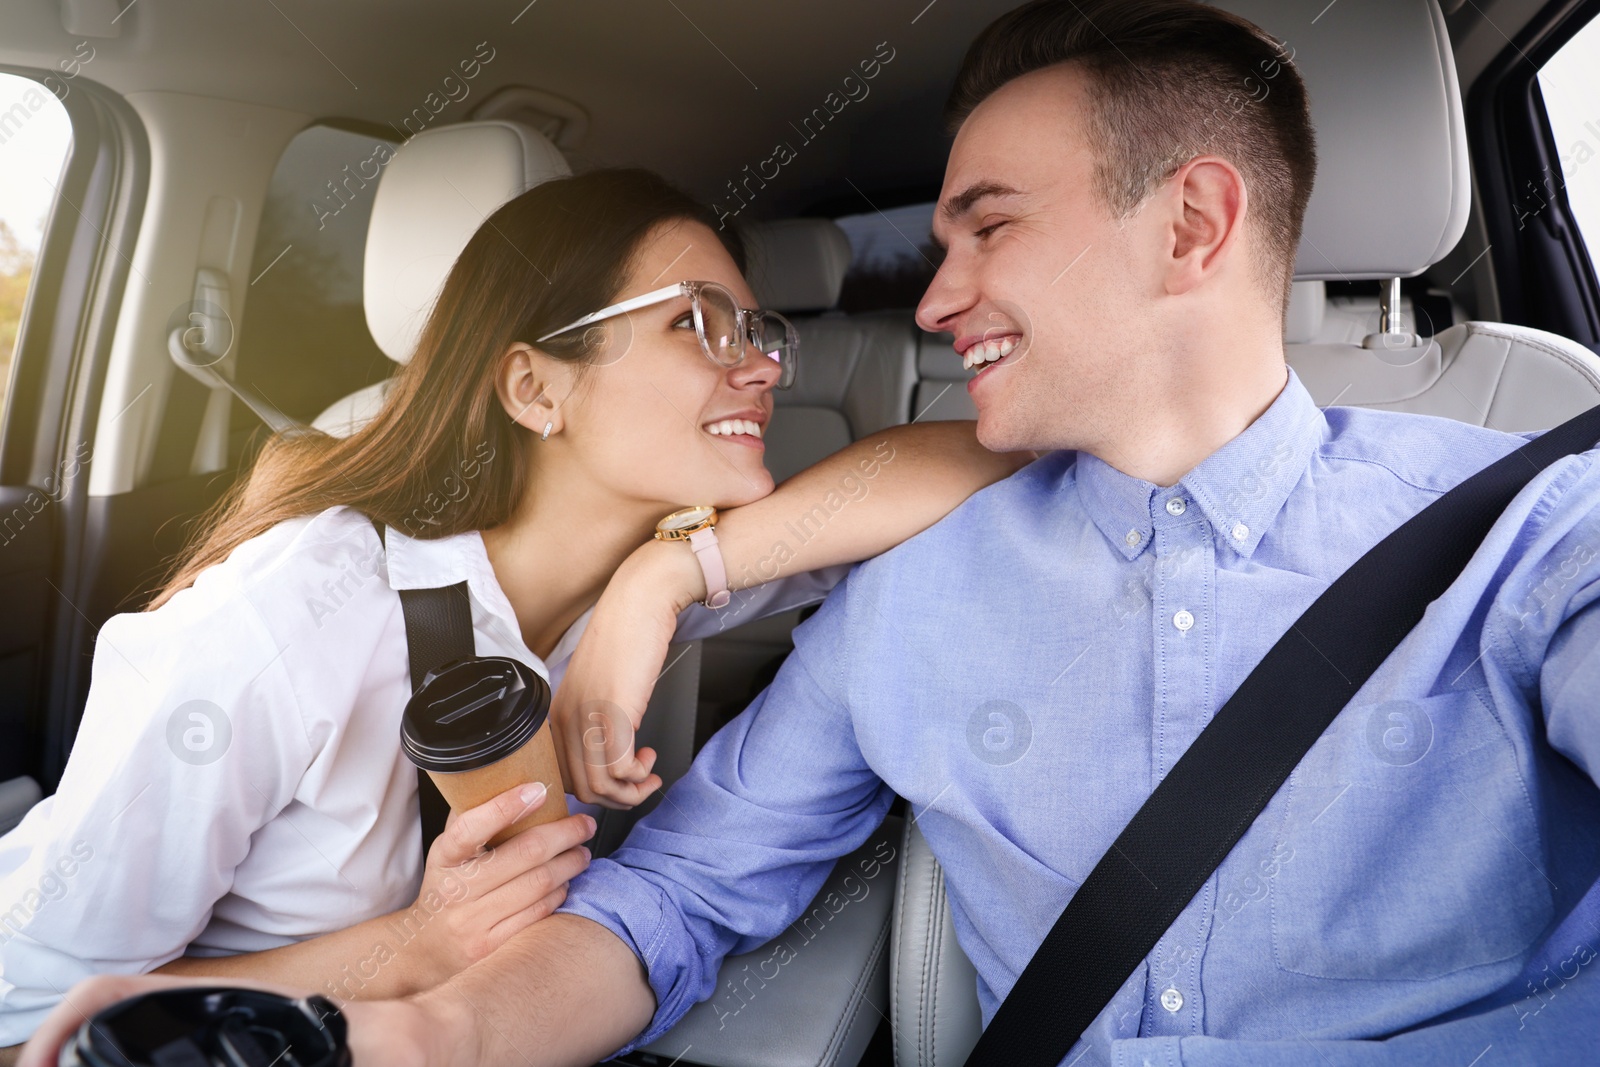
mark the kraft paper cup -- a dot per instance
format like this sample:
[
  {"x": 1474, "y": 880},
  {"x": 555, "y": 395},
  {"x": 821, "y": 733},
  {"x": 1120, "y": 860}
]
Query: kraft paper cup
[{"x": 480, "y": 726}]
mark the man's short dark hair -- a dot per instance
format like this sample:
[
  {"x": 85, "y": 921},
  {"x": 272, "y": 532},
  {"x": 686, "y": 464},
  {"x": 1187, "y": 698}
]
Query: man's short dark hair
[{"x": 1168, "y": 80}]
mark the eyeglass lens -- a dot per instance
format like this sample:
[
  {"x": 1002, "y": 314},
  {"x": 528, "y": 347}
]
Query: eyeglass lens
[
  {"x": 720, "y": 320},
  {"x": 769, "y": 333}
]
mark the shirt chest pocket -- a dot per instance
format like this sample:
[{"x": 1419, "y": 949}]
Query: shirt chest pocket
[{"x": 1417, "y": 849}]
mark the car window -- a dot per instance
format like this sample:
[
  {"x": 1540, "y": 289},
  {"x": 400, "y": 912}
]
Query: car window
[
  {"x": 35, "y": 137},
  {"x": 303, "y": 340},
  {"x": 892, "y": 259},
  {"x": 1570, "y": 84}
]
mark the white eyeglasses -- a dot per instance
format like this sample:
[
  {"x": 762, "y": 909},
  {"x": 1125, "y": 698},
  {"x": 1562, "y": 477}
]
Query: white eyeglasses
[{"x": 727, "y": 331}]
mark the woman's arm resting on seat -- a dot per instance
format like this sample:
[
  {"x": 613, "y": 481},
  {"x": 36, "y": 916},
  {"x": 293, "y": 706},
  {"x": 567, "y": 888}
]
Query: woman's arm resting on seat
[
  {"x": 470, "y": 904},
  {"x": 858, "y": 502}
]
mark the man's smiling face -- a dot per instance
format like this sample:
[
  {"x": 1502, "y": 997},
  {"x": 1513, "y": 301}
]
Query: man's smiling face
[{"x": 1048, "y": 296}]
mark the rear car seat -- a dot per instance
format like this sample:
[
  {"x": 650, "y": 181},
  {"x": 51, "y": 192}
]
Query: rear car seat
[{"x": 941, "y": 391}]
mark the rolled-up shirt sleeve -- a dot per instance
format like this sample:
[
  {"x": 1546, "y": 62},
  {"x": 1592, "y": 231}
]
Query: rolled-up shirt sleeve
[{"x": 741, "y": 844}]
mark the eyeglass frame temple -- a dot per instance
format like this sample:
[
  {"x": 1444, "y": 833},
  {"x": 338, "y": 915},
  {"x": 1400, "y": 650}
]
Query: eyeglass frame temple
[
  {"x": 745, "y": 318},
  {"x": 657, "y": 296}
]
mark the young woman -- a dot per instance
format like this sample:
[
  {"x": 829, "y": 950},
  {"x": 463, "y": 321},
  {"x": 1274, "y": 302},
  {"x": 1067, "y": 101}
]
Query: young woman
[{"x": 237, "y": 804}]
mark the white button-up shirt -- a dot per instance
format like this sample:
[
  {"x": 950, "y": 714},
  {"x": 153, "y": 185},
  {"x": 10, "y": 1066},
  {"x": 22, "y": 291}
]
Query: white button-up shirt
[{"x": 237, "y": 782}]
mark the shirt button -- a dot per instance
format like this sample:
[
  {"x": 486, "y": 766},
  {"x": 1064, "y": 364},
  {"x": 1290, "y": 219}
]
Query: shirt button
[
  {"x": 1172, "y": 1000},
  {"x": 1176, "y": 506},
  {"x": 1132, "y": 538},
  {"x": 1240, "y": 531},
  {"x": 1183, "y": 620}
]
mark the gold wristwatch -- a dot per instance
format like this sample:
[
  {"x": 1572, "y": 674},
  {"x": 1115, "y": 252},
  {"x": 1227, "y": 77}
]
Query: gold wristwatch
[{"x": 696, "y": 525}]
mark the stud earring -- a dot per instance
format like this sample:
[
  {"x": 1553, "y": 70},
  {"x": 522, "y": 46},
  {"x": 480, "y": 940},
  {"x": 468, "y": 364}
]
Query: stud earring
[{"x": 546, "y": 435}]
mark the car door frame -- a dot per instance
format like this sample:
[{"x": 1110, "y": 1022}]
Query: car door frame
[
  {"x": 1544, "y": 275},
  {"x": 52, "y": 407}
]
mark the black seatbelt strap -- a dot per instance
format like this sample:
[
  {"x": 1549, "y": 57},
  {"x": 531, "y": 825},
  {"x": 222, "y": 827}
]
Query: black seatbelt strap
[
  {"x": 438, "y": 629},
  {"x": 1214, "y": 792}
]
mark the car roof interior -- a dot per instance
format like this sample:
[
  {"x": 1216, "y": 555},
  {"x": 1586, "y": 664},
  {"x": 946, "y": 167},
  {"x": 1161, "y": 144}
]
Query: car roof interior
[{"x": 696, "y": 98}]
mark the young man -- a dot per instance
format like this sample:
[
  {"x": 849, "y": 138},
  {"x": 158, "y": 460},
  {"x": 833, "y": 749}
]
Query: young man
[{"x": 1118, "y": 264}]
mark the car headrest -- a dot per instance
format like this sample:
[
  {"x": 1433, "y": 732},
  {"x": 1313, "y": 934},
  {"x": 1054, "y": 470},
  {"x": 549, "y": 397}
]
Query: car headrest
[
  {"x": 797, "y": 264},
  {"x": 433, "y": 196},
  {"x": 1393, "y": 187}
]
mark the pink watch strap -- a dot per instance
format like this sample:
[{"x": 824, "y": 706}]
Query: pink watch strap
[{"x": 704, "y": 543}]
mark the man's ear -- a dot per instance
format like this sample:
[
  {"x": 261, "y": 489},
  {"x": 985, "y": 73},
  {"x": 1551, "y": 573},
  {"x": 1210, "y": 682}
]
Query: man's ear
[
  {"x": 532, "y": 387},
  {"x": 1207, "y": 220}
]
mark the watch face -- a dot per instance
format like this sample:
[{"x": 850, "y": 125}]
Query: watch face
[{"x": 687, "y": 518}]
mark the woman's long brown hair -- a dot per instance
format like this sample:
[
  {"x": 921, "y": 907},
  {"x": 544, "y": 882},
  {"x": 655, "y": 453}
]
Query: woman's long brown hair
[{"x": 442, "y": 456}]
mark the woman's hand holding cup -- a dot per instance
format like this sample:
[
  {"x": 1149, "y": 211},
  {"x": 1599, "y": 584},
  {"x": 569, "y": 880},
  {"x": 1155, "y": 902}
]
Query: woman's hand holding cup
[{"x": 472, "y": 901}]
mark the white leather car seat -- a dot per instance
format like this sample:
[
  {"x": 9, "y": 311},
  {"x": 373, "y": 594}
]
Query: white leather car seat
[
  {"x": 432, "y": 197},
  {"x": 1490, "y": 374},
  {"x": 1391, "y": 199},
  {"x": 941, "y": 391}
]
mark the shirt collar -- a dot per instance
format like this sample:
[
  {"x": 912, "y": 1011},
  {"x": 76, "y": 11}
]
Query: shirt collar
[
  {"x": 417, "y": 563},
  {"x": 1239, "y": 488}
]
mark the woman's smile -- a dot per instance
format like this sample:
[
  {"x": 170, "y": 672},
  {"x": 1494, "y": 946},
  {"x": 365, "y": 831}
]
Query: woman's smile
[{"x": 741, "y": 428}]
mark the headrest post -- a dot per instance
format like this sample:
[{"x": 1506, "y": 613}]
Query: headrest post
[
  {"x": 1389, "y": 319},
  {"x": 1393, "y": 343}
]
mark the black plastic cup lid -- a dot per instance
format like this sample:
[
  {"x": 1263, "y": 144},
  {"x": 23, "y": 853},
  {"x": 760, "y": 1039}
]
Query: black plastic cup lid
[
  {"x": 211, "y": 1025},
  {"x": 470, "y": 713}
]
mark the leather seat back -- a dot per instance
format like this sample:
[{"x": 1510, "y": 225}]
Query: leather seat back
[
  {"x": 856, "y": 376},
  {"x": 941, "y": 381},
  {"x": 932, "y": 984},
  {"x": 1511, "y": 378}
]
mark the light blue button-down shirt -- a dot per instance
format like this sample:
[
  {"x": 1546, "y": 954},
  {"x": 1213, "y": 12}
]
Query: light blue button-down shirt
[{"x": 1027, "y": 670}]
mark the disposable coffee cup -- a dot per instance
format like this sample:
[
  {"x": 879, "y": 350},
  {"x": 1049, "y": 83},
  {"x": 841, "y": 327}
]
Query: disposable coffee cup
[{"x": 480, "y": 726}]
